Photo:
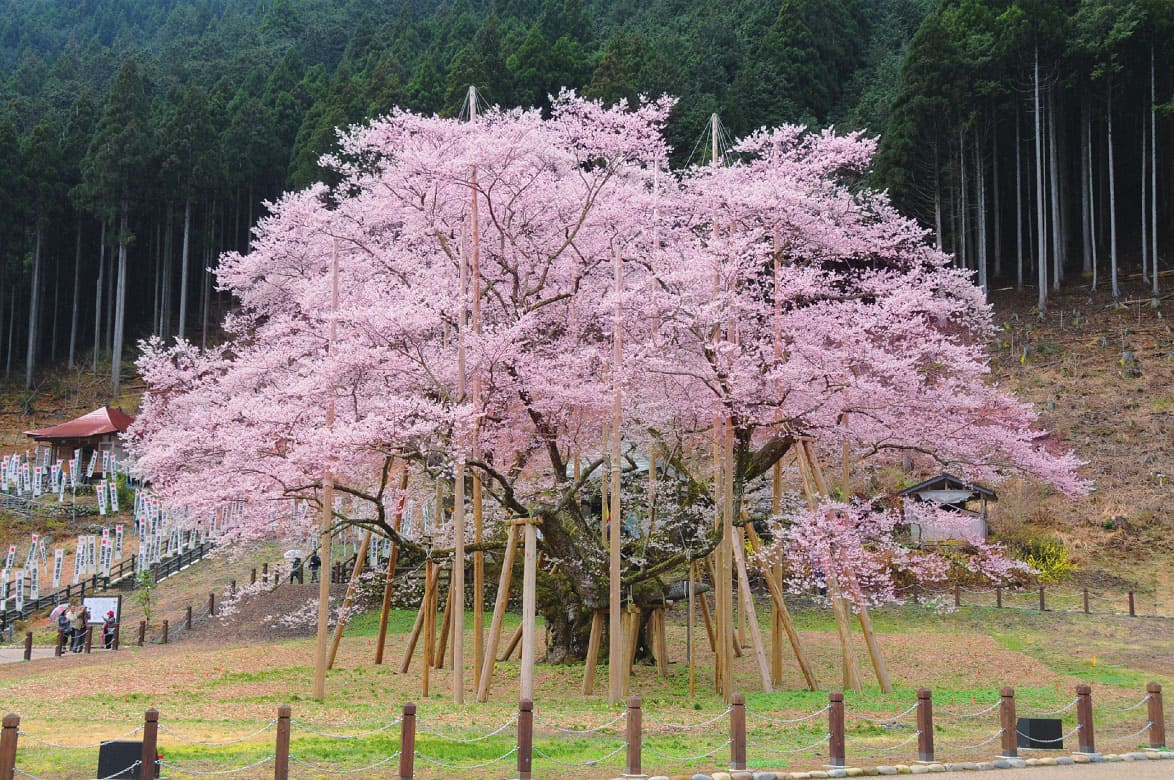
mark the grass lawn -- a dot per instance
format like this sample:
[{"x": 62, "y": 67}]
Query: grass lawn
[{"x": 219, "y": 692}]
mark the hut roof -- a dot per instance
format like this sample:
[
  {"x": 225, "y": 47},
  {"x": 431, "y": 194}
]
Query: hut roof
[
  {"x": 949, "y": 483},
  {"x": 101, "y": 421}
]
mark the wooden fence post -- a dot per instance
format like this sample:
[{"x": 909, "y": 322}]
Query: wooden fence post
[
  {"x": 142, "y": 632},
  {"x": 1132, "y": 611},
  {"x": 635, "y": 744},
  {"x": 916, "y": 592},
  {"x": 164, "y": 640},
  {"x": 957, "y": 595},
  {"x": 924, "y": 724},
  {"x": 1157, "y": 717},
  {"x": 8, "y": 746},
  {"x": 1008, "y": 722},
  {"x": 998, "y": 598},
  {"x": 232, "y": 587},
  {"x": 212, "y": 604},
  {"x": 281, "y": 751},
  {"x": 60, "y": 643},
  {"x": 407, "y": 742},
  {"x": 117, "y": 635},
  {"x": 28, "y": 646},
  {"x": 737, "y": 732},
  {"x": 150, "y": 742},
  {"x": 187, "y": 620},
  {"x": 836, "y": 728},
  {"x": 253, "y": 576},
  {"x": 1042, "y": 606},
  {"x": 1086, "y": 601},
  {"x": 525, "y": 739},
  {"x": 89, "y": 638},
  {"x": 1085, "y": 737}
]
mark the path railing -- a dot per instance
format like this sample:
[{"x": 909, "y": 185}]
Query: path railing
[
  {"x": 1043, "y": 598},
  {"x": 630, "y": 733}
]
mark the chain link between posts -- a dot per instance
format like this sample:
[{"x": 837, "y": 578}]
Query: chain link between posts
[
  {"x": 467, "y": 767},
  {"x": 422, "y": 728},
  {"x": 217, "y": 772},
  {"x": 686, "y": 726},
  {"x": 311, "y": 730},
  {"x": 785, "y": 721},
  {"x": 329, "y": 771},
  {"x": 686, "y": 759},
  {"x": 591, "y": 762},
  {"x": 24, "y": 734},
  {"x": 165, "y": 730}
]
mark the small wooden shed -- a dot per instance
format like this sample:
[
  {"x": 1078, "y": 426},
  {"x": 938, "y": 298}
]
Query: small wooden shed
[
  {"x": 97, "y": 430},
  {"x": 953, "y": 494}
]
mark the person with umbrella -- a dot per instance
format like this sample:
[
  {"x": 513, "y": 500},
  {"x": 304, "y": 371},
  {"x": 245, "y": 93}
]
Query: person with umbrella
[{"x": 295, "y": 567}]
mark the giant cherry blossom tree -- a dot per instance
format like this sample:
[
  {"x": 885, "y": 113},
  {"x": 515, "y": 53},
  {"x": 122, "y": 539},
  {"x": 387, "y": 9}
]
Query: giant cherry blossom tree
[{"x": 774, "y": 295}]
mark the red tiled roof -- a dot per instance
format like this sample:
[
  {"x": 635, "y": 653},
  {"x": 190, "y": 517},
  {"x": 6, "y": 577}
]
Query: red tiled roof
[{"x": 100, "y": 421}]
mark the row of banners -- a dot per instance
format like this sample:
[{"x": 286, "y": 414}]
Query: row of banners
[{"x": 30, "y": 475}]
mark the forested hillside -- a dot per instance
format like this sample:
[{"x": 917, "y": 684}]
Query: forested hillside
[{"x": 140, "y": 138}]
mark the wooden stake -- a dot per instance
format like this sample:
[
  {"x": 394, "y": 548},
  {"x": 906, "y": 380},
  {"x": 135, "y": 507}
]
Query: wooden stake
[
  {"x": 455, "y": 611},
  {"x": 615, "y": 648},
  {"x": 661, "y": 643},
  {"x": 503, "y": 596},
  {"x": 776, "y": 594},
  {"x": 748, "y": 609},
  {"x": 430, "y": 581},
  {"x": 529, "y": 600},
  {"x": 874, "y": 651},
  {"x": 392, "y": 562},
  {"x": 774, "y": 573},
  {"x": 445, "y": 627},
  {"x": 352, "y": 586},
  {"x": 421, "y": 616},
  {"x": 690, "y": 635},
  {"x": 593, "y": 643}
]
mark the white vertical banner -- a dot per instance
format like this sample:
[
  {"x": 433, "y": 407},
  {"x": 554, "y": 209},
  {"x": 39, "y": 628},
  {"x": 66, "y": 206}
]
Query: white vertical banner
[
  {"x": 11, "y": 557},
  {"x": 118, "y": 541},
  {"x": 113, "y": 488},
  {"x": 4, "y": 474},
  {"x": 61, "y": 489},
  {"x": 20, "y": 589},
  {"x": 105, "y": 462},
  {"x": 34, "y": 582},
  {"x": 79, "y": 557},
  {"x": 93, "y": 465},
  {"x": 58, "y": 563},
  {"x": 32, "y": 553},
  {"x": 104, "y": 557},
  {"x": 3, "y": 588},
  {"x": 37, "y": 481},
  {"x": 74, "y": 466},
  {"x": 100, "y": 492}
]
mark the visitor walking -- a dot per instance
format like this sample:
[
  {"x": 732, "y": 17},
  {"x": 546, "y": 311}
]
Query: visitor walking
[
  {"x": 315, "y": 564},
  {"x": 295, "y": 570},
  {"x": 80, "y": 624},
  {"x": 109, "y": 628}
]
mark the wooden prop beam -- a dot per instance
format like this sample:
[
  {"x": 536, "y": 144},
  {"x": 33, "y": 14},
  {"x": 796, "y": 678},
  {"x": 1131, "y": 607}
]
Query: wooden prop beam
[
  {"x": 529, "y": 607},
  {"x": 352, "y": 586},
  {"x": 429, "y": 625},
  {"x": 503, "y": 596},
  {"x": 512, "y": 645},
  {"x": 446, "y": 619},
  {"x": 593, "y": 642},
  {"x": 776, "y": 595},
  {"x": 421, "y": 615},
  {"x": 392, "y": 562},
  {"x": 748, "y": 610}
]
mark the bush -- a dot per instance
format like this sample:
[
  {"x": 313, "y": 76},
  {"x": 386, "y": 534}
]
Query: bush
[{"x": 1050, "y": 558}]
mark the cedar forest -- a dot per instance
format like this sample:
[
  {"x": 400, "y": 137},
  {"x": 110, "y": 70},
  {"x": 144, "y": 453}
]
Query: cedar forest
[{"x": 139, "y": 139}]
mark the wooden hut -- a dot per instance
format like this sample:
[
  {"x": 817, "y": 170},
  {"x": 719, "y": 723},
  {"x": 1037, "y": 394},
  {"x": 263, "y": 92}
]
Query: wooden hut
[
  {"x": 953, "y": 494},
  {"x": 96, "y": 431}
]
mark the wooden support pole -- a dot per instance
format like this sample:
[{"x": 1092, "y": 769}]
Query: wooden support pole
[
  {"x": 418, "y": 626},
  {"x": 525, "y": 738},
  {"x": 352, "y": 586},
  {"x": 747, "y": 609},
  {"x": 1085, "y": 737},
  {"x": 454, "y": 612},
  {"x": 149, "y": 757},
  {"x": 774, "y": 573},
  {"x": 514, "y": 642},
  {"x": 142, "y": 632},
  {"x": 392, "y": 562},
  {"x": 445, "y": 628},
  {"x": 737, "y": 732},
  {"x": 691, "y": 634},
  {"x": 407, "y": 742},
  {"x": 780, "y": 606},
  {"x": 187, "y": 618},
  {"x": 924, "y": 725},
  {"x": 212, "y": 604},
  {"x": 836, "y": 729},
  {"x": 281, "y": 747},
  {"x": 1156, "y": 715},
  {"x": 28, "y": 646},
  {"x": 593, "y": 642},
  {"x": 1085, "y": 601},
  {"x": 57, "y": 649},
  {"x": 662, "y": 644},
  {"x": 1042, "y": 605},
  {"x": 430, "y": 599},
  {"x": 1132, "y": 610},
  {"x": 1008, "y": 722},
  {"x": 635, "y": 739},
  {"x": 998, "y": 598},
  {"x": 707, "y": 618},
  {"x": 499, "y": 607},
  {"x": 8, "y": 738}
]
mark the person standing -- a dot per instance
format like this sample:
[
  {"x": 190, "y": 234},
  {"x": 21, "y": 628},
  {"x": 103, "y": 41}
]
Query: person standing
[
  {"x": 295, "y": 570},
  {"x": 109, "y": 627},
  {"x": 65, "y": 626},
  {"x": 80, "y": 624},
  {"x": 315, "y": 564}
]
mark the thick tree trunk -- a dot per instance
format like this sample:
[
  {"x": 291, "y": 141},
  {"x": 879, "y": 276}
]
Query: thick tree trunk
[
  {"x": 937, "y": 200},
  {"x": 1145, "y": 242},
  {"x": 157, "y": 282},
  {"x": 77, "y": 265},
  {"x": 111, "y": 275},
  {"x": 56, "y": 312},
  {"x": 996, "y": 212},
  {"x": 183, "y": 267},
  {"x": 1112, "y": 197},
  {"x": 963, "y": 207},
  {"x": 1041, "y": 262},
  {"x": 11, "y": 327},
  {"x": 34, "y": 301},
  {"x": 165, "y": 293}
]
